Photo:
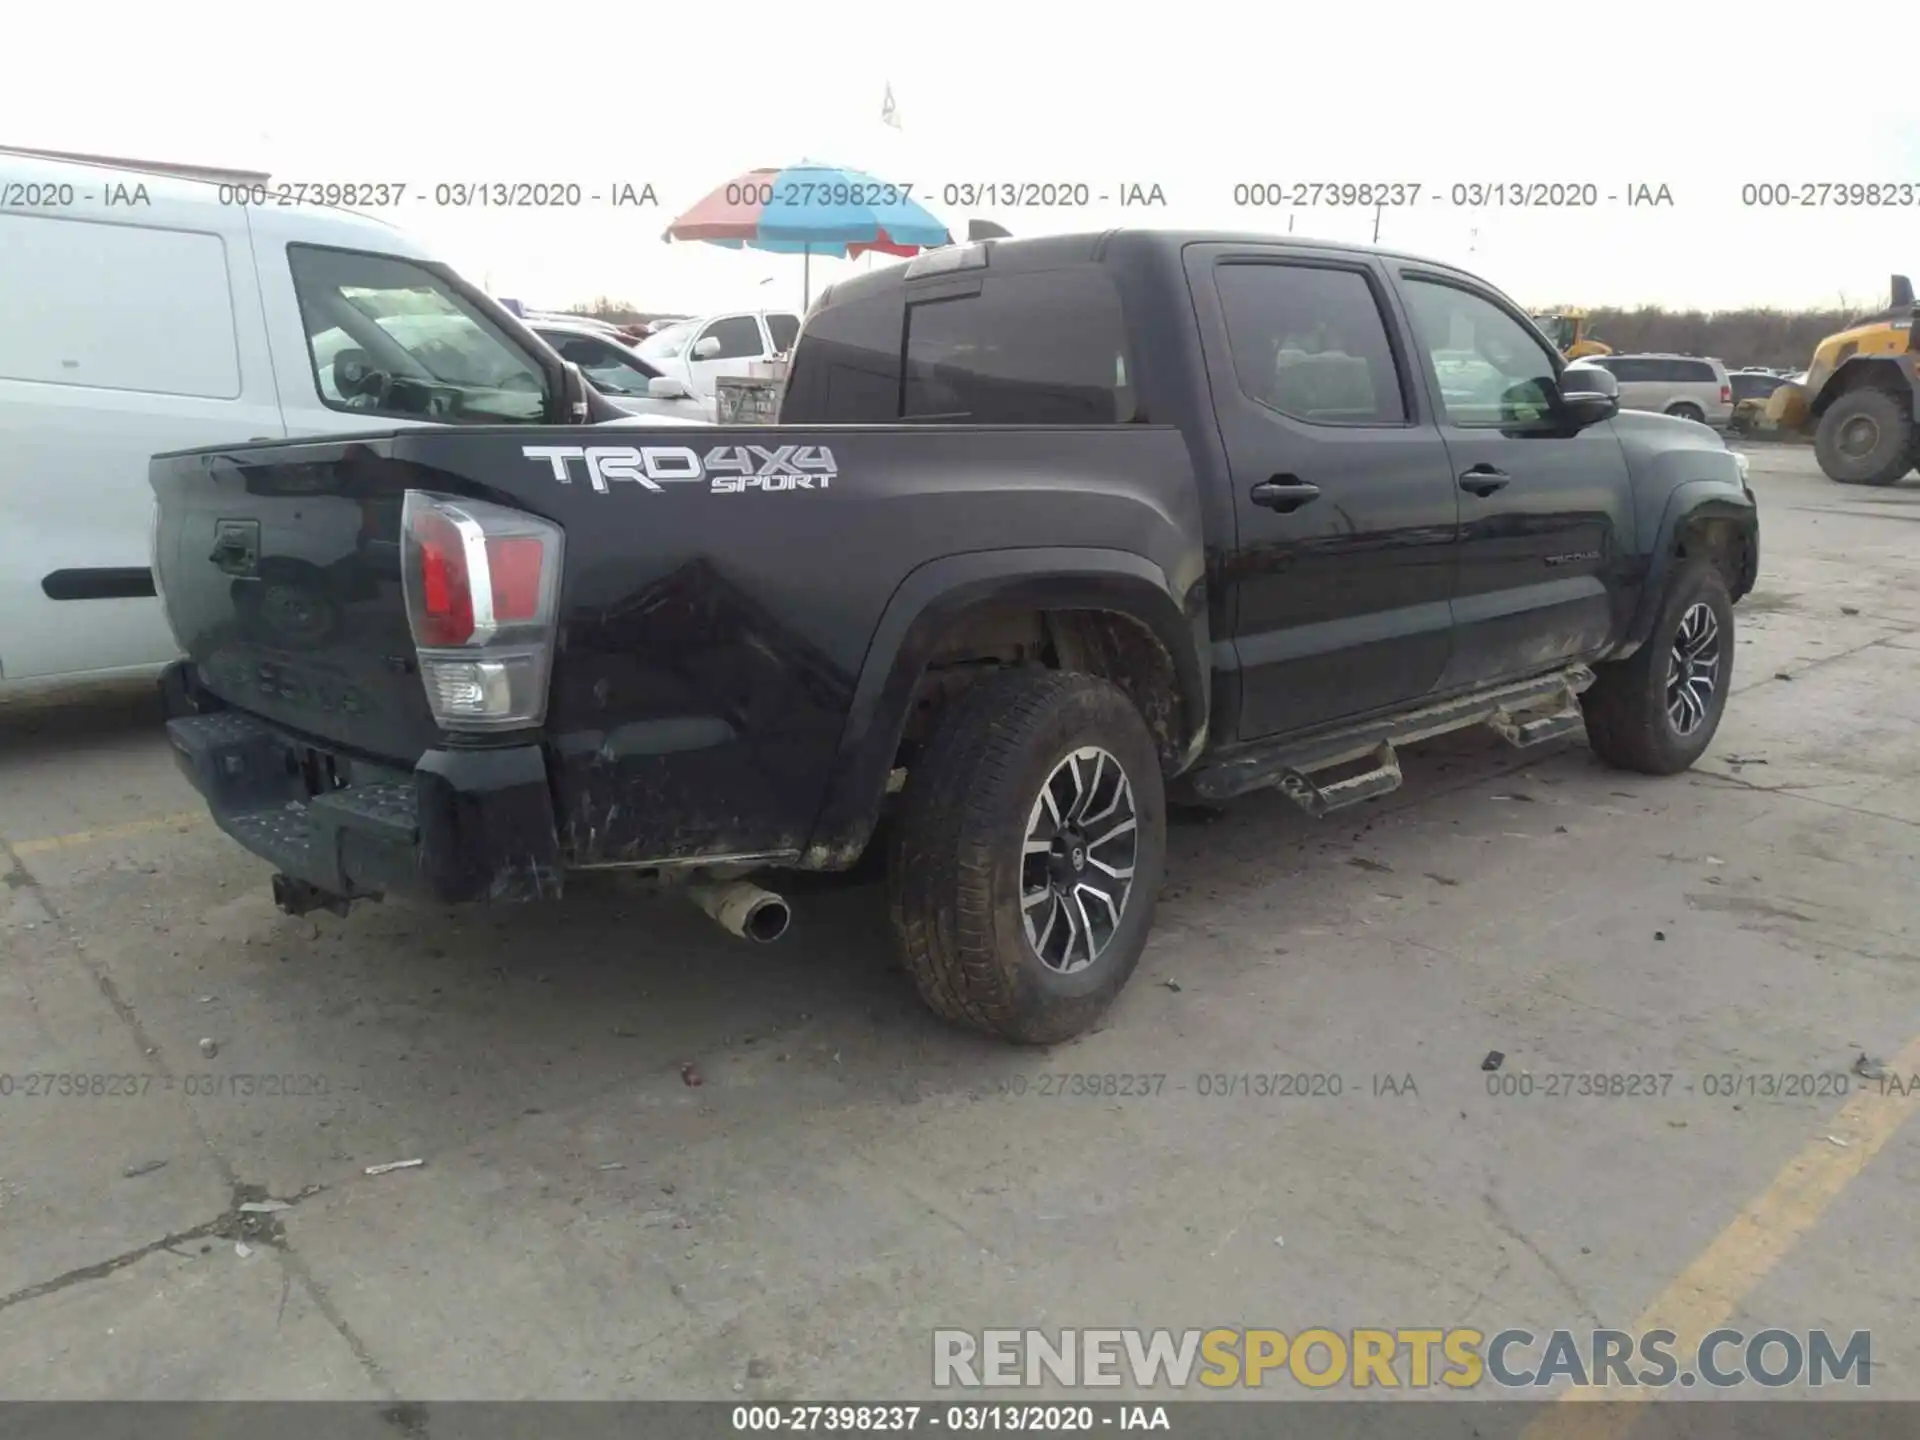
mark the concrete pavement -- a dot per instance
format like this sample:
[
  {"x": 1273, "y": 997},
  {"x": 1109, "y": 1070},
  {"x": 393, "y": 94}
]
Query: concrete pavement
[{"x": 848, "y": 1174}]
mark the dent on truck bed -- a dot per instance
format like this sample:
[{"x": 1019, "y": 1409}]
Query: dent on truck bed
[{"x": 689, "y": 721}]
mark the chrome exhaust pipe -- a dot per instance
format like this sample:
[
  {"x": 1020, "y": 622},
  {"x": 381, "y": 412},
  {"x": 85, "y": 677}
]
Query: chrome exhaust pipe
[{"x": 743, "y": 909}]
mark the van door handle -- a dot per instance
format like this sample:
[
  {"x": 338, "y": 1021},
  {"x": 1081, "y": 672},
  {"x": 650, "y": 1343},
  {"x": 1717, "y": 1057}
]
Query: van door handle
[
  {"x": 1484, "y": 480},
  {"x": 1284, "y": 493}
]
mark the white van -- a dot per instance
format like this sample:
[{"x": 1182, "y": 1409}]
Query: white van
[{"x": 147, "y": 312}]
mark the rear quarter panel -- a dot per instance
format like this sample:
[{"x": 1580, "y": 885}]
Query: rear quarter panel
[{"x": 713, "y": 640}]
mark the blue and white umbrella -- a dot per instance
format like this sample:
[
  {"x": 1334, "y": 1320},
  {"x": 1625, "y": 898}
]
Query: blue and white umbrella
[{"x": 810, "y": 210}]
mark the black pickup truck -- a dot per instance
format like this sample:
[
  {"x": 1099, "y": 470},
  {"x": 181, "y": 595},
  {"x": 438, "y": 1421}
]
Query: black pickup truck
[{"x": 1053, "y": 533}]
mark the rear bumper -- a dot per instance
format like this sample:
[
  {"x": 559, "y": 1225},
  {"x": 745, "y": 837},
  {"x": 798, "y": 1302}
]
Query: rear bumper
[{"x": 462, "y": 825}]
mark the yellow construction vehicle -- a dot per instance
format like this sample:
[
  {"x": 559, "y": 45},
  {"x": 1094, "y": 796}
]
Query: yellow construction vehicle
[
  {"x": 1857, "y": 397},
  {"x": 1567, "y": 329}
]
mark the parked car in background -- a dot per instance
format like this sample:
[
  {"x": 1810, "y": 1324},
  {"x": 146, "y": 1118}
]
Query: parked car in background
[
  {"x": 564, "y": 317},
  {"x": 699, "y": 352},
  {"x": 1754, "y": 384},
  {"x": 144, "y": 314},
  {"x": 1688, "y": 387},
  {"x": 617, "y": 371}
]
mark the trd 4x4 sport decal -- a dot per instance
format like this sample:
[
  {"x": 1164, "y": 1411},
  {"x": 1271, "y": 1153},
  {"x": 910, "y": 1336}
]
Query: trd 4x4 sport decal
[{"x": 724, "y": 470}]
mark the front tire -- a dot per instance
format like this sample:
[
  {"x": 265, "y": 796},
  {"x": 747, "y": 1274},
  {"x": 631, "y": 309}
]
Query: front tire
[
  {"x": 1865, "y": 438},
  {"x": 1028, "y": 855},
  {"x": 1657, "y": 710}
]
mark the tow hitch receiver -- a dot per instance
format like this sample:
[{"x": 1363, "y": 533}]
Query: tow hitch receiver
[{"x": 297, "y": 897}]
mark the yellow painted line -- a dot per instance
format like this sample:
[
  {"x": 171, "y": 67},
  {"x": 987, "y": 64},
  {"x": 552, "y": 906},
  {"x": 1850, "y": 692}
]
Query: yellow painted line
[
  {"x": 109, "y": 832},
  {"x": 1703, "y": 1295}
]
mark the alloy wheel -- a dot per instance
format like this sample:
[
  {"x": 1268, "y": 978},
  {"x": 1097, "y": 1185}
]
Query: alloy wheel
[
  {"x": 1695, "y": 669},
  {"x": 1076, "y": 869}
]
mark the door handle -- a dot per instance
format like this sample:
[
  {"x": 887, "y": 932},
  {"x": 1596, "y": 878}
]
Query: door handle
[
  {"x": 1484, "y": 480},
  {"x": 1284, "y": 493}
]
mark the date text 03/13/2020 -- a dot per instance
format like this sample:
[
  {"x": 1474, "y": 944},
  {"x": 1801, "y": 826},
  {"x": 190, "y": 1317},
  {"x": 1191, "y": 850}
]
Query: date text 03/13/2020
[{"x": 1392, "y": 194}]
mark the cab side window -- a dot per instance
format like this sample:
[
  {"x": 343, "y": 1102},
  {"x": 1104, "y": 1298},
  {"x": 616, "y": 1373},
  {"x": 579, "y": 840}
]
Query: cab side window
[{"x": 1493, "y": 370}]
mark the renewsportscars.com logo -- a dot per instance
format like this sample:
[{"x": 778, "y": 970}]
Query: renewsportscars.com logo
[
  {"x": 1458, "y": 1358},
  {"x": 724, "y": 469}
]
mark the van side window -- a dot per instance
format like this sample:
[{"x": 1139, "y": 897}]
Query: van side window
[
  {"x": 116, "y": 307},
  {"x": 390, "y": 337}
]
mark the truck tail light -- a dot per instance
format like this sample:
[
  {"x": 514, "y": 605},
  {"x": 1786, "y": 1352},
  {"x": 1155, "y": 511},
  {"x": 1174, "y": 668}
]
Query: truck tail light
[
  {"x": 482, "y": 586},
  {"x": 1726, "y": 394}
]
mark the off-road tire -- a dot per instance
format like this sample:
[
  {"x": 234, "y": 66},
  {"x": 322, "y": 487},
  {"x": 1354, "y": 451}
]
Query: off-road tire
[
  {"x": 954, "y": 871},
  {"x": 1891, "y": 458},
  {"x": 1626, "y": 706}
]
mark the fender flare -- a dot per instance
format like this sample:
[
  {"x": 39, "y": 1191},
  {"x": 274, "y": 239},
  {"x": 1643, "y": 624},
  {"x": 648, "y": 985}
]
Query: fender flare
[
  {"x": 1692, "y": 501},
  {"x": 1858, "y": 370},
  {"x": 925, "y": 603}
]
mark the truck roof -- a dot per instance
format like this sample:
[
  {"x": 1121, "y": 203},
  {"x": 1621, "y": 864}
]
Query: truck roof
[{"x": 1046, "y": 252}]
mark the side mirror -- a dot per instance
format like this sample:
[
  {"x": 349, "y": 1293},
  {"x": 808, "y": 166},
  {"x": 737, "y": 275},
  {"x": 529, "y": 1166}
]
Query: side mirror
[
  {"x": 707, "y": 348},
  {"x": 1589, "y": 394},
  {"x": 666, "y": 387}
]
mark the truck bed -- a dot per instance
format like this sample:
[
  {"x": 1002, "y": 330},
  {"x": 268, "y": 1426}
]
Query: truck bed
[{"x": 730, "y": 608}]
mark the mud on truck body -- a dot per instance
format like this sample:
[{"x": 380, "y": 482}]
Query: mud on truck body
[{"x": 1052, "y": 533}]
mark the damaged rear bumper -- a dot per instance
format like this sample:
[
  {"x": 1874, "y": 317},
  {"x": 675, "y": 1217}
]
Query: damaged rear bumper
[{"x": 462, "y": 825}]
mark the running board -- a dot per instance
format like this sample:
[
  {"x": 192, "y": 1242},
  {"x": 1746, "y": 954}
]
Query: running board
[
  {"x": 1524, "y": 713},
  {"x": 1537, "y": 724},
  {"x": 1318, "y": 800}
]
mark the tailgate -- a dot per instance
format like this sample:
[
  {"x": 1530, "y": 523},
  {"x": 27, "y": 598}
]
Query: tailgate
[{"x": 280, "y": 570}]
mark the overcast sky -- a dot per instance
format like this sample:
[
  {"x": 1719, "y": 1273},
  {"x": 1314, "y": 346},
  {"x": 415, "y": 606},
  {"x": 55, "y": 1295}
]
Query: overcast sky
[{"x": 1194, "y": 98}]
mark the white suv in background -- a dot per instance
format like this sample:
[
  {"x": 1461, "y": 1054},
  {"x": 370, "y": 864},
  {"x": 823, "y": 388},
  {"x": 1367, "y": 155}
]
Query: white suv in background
[
  {"x": 699, "y": 352},
  {"x": 1688, "y": 387}
]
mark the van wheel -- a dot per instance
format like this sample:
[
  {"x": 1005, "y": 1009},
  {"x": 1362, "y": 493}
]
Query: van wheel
[
  {"x": 1028, "y": 854},
  {"x": 1688, "y": 412},
  {"x": 1656, "y": 711},
  {"x": 1865, "y": 438}
]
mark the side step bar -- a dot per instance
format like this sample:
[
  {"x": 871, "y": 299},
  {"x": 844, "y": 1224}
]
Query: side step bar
[
  {"x": 1318, "y": 800},
  {"x": 1524, "y": 713}
]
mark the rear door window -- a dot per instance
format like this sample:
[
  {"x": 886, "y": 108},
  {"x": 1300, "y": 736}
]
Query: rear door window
[
  {"x": 1309, "y": 342},
  {"x": 116, "y": 307},
  {"x": 1044, "y": 348},
  {"x": 783, "y": 329},
  {"x": 389, "y": 337}
]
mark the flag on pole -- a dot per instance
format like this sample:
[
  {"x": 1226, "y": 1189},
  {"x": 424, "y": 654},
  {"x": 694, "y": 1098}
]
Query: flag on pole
[{"x": 889, "y": 112}]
